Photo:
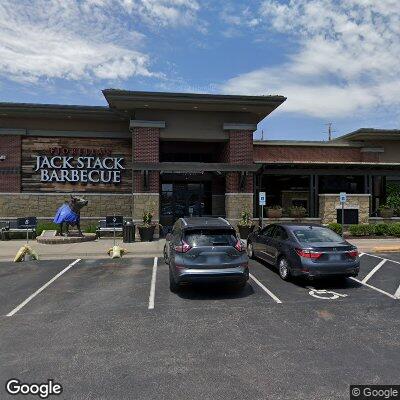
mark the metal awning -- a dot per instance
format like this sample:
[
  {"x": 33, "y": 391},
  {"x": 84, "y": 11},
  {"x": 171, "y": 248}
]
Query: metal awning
[{"x": 179, "y": 167}]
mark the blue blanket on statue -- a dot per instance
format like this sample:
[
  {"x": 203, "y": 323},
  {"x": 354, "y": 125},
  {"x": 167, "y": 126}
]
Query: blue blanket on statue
[{"x": 65, "y": 214}]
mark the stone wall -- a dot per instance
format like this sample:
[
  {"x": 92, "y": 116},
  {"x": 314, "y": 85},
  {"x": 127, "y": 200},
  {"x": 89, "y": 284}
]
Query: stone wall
[
  {"x": 146, "y": 201},
  {"x": 235, "y": 204},
  {"x": 46, "y": 204},
  {"x": 329, "y": 203}
]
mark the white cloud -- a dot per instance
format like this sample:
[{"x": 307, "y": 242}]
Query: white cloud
[
  {"x": 346, "y": 62},
  {"x": 164, "y": 12},
  {"x": 81, "y": 39}
]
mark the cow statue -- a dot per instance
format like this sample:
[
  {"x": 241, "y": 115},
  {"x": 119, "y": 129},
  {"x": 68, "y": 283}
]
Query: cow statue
[{"x": 70, "y": 214}]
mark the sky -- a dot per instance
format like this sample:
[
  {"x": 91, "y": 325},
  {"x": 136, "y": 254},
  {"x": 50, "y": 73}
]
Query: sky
[{"x": 335, "y": 61}]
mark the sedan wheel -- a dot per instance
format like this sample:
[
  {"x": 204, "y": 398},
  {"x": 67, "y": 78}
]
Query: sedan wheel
[
  {"x": 250, "y": 251},
  {"x": 284, "y": 269}
]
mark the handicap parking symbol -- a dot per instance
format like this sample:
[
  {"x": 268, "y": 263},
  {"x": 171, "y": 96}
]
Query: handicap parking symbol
[{"x": 324, "y": 294}]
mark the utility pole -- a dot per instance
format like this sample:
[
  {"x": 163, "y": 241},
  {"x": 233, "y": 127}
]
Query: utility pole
[
  {"x": 330, "y": 131},
  {"x": 262, "y": 134}
]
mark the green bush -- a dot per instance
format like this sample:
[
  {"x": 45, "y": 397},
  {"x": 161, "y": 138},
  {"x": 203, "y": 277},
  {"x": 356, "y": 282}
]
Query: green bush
[
  {"x": 335, "y": 227},
  {"x": 90, "y": 229},
  {"x": 361, "y": 230},
  {"x": 382, "y": 229},
  {"x": 394, "y": 229},
  {"x": 45, "y": 226}
]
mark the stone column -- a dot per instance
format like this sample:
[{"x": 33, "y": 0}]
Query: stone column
[{"x": 329, "y": 204}]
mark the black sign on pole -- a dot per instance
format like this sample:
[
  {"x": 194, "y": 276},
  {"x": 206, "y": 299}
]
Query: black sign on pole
[
  {"x": 27, "y": 223},
  {"x": 114, "y": 221}
]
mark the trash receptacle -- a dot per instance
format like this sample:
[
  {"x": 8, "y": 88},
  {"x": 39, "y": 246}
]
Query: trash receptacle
[{"x": 128, "y": 232}]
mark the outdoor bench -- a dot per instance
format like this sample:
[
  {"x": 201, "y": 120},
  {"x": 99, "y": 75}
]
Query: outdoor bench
[{"x": 7, "y": 227}]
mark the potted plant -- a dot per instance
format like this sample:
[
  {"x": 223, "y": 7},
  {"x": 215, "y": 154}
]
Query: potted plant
[
  {"x": 385, "y": 211},
  {"x": 245, "y": 224},
  {"x": 146, "y": 229},
  {"x": 274, "y": 211},
  {"x": 297, "y": 212}
]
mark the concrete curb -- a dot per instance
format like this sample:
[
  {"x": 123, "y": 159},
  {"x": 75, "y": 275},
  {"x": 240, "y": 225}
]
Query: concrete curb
[{"x": 386, "y": 249}]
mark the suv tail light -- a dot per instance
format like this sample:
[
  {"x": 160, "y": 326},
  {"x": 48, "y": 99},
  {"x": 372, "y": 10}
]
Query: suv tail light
[
  {"x": 353, "y": 253},
  {"x": 182, "y": 248},
  {"x": 238, "y": 245},
  {"x": 314, "y": 255}
]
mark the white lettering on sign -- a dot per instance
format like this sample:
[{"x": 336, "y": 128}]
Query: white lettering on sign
[
  {"x": 79, "y": 170},
  {"x": 261, "y": 199}
]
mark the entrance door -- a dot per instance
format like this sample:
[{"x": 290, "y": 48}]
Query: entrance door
[{"x": 183, "y": 199}]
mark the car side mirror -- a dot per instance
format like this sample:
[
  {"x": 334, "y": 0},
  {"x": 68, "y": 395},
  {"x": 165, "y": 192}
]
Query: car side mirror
[{"x": 168, "y": 237}]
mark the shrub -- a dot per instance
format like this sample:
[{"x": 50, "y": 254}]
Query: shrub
[
  {"x": 381, "y": 229},
  {"x": 361, "y": 230},
  {"x": 90, "y": 229},
  {"x": 245, "y": 219},
  {"x": 335, "y": 227},
  {"x": 274, "y": 207},
  {"x": 45, "y": 226},
  {"x": 394, "y": 229}
]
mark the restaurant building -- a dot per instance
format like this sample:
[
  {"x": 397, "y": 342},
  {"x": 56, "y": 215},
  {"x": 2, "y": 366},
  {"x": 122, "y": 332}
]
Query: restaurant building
[{"x": 181, "y": 154}]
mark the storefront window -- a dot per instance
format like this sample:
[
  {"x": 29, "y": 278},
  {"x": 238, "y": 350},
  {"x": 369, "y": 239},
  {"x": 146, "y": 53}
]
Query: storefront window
[
  {"x": 287, "y": 191},
  {"x": 352, "y": 184}
]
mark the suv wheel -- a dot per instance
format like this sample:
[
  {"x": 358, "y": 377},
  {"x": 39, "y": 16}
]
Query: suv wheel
[
  {"x": 250, "y": 251},
  {"x": 173, "y": 286},
  {"x": 284, "y": 269}
]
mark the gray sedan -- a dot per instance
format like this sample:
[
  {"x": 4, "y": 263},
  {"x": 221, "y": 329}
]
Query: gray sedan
[{"x": 310, "y": 251}]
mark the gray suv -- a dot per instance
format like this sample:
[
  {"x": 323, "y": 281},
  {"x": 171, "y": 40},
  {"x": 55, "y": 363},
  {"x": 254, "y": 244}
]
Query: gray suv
[{"x": 205, "y": 249}]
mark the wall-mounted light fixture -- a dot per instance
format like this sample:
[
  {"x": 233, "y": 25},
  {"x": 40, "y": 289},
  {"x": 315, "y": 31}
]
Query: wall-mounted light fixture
[{"x": 2, "y": 157}]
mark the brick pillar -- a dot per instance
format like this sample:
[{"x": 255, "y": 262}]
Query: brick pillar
[
  {"x": 10, "y": 167},
  {"x": 239, "y": 151},
  {"x": 146, "y": 145}
]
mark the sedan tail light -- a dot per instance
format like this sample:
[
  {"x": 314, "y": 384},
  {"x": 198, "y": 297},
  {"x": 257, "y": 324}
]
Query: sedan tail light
[
  {"x": 353, "y": 253},
  {"x": 314, "y": 255},
  {"x": 183, "y": 247},
  {"x": 238, "y": 245}
]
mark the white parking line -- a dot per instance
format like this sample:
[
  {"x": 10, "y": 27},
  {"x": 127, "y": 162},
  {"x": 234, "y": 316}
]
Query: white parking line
[
  {"x": 376, "y": 268},
  {"x": 374, "y": 288},
  {"x": 264, "y": 288},
  {"x": 397, "y": 294},
  {"x": 25, "y": 302},
  {"x": 153, "y": 284},
  {"x": 388, "y": 259}
]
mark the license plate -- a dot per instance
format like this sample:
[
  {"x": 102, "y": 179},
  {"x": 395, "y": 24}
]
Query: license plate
[{"x": 335, "y": 257}]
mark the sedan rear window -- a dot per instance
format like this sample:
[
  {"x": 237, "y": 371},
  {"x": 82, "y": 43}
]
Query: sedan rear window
[
  {"x": 316, "y": 234},
  {"x": 210, "y": 237}
]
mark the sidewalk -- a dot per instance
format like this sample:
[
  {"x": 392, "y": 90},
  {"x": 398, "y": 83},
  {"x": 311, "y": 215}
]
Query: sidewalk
[
  {"x": 376, "y": 245},
  {"x": 96, "y": 249}
]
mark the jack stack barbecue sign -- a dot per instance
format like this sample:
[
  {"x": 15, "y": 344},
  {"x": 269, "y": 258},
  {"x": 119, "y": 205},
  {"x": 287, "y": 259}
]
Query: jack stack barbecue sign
[
  {"x": 63, "y": 164},
  {"x": 79, "y": 165}
]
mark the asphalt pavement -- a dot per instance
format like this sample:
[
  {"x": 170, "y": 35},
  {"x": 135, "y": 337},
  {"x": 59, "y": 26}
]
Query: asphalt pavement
[{"x": 111, "y": 329}]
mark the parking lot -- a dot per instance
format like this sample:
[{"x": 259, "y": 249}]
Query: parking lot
[{"x": 111, "y": 329}]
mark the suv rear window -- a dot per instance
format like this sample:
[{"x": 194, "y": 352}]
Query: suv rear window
[{"x": 210, "y": 237}]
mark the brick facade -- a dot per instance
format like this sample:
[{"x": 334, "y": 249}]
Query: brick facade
[
  {"x": 146, "y": 149},
  {"x": 239, "y": 150},
  {"x": 282, "y": 153},
  {"x": 10, "y": 168}
]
